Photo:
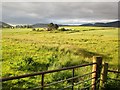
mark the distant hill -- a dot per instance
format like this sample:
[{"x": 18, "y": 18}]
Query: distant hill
[
  {"x": 87, "y": 24},
  {"x": 113, "y": 24},
  {"x": 108, "y": 24},
  {"x": 39, "y": 25},
  {"x": 3, "y": 24}
]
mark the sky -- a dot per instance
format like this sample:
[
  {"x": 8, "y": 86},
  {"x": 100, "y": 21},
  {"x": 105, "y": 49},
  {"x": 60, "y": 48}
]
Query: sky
[{"x": 59, "y": 12}]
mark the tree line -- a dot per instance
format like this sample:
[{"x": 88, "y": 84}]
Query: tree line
[{"x": 49, "y": 27}]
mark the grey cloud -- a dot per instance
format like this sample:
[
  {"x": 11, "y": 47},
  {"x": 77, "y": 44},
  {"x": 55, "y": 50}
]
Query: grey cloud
[
  {"x": 65, "y": 12},
  {"x": 60, "y": 0},
  {"x": 0, "y": 11}
]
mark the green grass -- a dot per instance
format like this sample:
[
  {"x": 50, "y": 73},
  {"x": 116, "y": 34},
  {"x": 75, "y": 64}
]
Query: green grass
[{"x": 27, "y": 51}]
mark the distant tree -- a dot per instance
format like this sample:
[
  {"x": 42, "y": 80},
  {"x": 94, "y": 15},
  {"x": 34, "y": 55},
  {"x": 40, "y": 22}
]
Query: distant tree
[
  {"x": 52, "y": 26},
  {"x": 56, "y": 26},
  {"x": 24, "y": 26},
  {"x": 29, "y": 26},
  {"x": 17, "y": 26},
  {"x": 21, "y": 26}
]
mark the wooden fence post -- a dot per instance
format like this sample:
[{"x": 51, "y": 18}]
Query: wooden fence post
[
  {"x": 73, "y": 72},
  {"x": 103, "y": 76},
  {"x": 97, "y": 70},
  {"x": 42, "y": 82}
]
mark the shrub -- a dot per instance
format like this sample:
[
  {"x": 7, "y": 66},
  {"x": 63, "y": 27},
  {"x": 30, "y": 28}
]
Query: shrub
[
  {"x": 34, "y": 29},
  {"x": 63, "y": 29},
  {"x": 112, "y": 85}
]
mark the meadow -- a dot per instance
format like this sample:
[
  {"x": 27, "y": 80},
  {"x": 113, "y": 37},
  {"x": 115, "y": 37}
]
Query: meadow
[{"x": 27, "y": 51}]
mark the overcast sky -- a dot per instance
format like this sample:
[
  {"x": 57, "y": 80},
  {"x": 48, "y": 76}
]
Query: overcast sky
[{"x": 59, "y": 12}]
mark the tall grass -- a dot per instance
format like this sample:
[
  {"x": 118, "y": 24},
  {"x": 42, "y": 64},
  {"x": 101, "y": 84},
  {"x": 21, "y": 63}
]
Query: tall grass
[{"x": 27, "y": 51}]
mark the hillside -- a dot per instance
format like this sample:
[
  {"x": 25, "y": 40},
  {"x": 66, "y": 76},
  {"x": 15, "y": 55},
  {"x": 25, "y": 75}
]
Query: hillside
[
  {"x": 39, "y": 25},
  {"x": 3, "y": 24},
  {"x": 42, "y": 25},
  {"x": 108, "y": 24}
]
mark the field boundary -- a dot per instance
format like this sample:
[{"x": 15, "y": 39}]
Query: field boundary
[{"x": 99, "y": 75}]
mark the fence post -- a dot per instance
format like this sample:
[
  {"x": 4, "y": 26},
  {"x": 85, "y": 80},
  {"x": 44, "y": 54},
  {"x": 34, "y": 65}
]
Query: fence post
[
  {"x": 96, "y": 69},
  {"x": 73, "y": 71},
  {"x": 42, "y": 82},
  {"x": 103, "y": 76}
]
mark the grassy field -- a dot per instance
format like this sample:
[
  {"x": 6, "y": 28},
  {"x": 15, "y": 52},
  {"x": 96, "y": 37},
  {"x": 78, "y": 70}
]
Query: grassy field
[{"x": 27, "y": 51}]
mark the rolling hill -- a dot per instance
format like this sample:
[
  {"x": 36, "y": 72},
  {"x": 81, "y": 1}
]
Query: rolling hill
[
  {"x": 39, "y": 25},
  {"x": 4, "y": 25},
  {"x": 108, "y": 24}
]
